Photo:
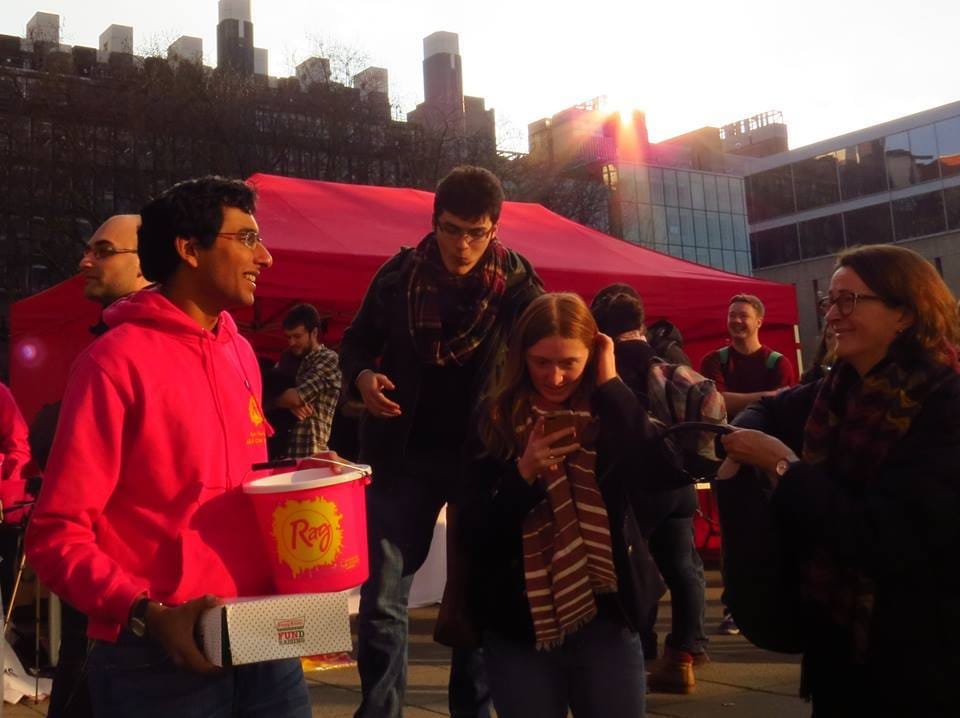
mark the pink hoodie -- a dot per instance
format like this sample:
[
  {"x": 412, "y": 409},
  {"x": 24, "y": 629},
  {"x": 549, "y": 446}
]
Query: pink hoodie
[{"x": 160, "y": 423}]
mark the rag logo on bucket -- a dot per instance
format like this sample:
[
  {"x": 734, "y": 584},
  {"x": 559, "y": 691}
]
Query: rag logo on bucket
[
  {"x": 308, "y": 533},
  {"x": 290, "y": 631}
]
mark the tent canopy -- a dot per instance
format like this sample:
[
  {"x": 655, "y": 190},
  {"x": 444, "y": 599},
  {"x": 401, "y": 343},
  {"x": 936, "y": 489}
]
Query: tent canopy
[{"x": 328, "y": 239}]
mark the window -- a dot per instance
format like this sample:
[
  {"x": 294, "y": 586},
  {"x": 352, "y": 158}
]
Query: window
[
  {"x": 673, "y": 226},
  {"x": 951, "y": 201},
  {"x": 899, "y": 161},
  {"x": 656, "y": 185},
  {"x": 696, "y": 191},
  {"x": 774, "y": 246},
  {"x": 923, "y": 149},
  {"x": 687, "y": 231},
  {"x": 736, "y": 195},
  {"x": 919, "y": 215},
  {"x": 700, "y": 226},
  {"x": 869, "y": 225},
  {"x": 713, "y": 230},
  {"x": 683, "y": 189},
  {"x": 659, "y": 226},
  {"x": 948, "y": 141},
  {"x": 822, "y": 236},
  {"x": 670, "y": 188},
  {"x": 726, "y": 231},
  {"x": 816, "y": 181},
  {"x": 770, "y": 194},
  {"x": 710, "y": 191},
  {"x": 723, "y": 194},
  {"x": 740, "y": 241},
  {"x": 862, "y": 169}
]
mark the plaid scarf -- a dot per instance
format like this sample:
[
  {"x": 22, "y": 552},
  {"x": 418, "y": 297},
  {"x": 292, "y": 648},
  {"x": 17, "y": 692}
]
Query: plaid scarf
[
  {"x": 851, "y": 429},
  {"x": 567, "y": 554},
  {"x": 450, "y": 315}
]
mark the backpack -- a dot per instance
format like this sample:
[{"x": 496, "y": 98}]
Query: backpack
[{"x": 677, "y": 395}]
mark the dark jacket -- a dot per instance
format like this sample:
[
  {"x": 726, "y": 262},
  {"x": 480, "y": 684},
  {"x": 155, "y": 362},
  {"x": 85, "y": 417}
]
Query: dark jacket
[
  {"x": 900, "y": 528},
  {"x": 380, "y": 330},
  {"x": 496, "y": 499}
]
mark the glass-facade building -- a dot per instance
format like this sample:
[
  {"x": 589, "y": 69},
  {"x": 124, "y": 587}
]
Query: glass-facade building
[
  {"x": 898, "y": 181},
  {"x": 694, "y": 215}
]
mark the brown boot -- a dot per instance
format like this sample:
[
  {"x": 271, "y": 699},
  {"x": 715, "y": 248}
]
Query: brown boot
[{"x": 673, "y": 673}]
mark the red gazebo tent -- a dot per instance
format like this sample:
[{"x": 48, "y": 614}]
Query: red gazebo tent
[{"x": 328, "y": 239}]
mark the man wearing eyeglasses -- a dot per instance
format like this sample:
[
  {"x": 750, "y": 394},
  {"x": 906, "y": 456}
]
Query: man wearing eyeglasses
[
  {"x": 431, "y": 330},
  {"x": 142, "y": 523},
  {"x": 110, "y": 266},
  {"x": 111, "y": 270}
]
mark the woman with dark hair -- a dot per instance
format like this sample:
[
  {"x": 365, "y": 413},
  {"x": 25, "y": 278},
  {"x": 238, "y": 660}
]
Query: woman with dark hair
[
  {"x": 862, "y": 526},
  {"x": 562, "y": 576},
  {"x": 665, "y": 516}
]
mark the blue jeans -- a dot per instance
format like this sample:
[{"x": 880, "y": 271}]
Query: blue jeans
[
  {"x": 673, "y": 549},
  {"x": 596, "y": 673},
  {"x": 402, "y": 509},
  {"x": 135, "y": 677}
]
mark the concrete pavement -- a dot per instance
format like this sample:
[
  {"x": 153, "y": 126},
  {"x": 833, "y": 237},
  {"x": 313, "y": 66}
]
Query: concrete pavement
[{"x": 740, "y": 682}]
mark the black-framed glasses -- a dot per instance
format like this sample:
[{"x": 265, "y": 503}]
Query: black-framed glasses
[
  {"x": 249, "y": 238},
  {"x": 845, "y": 302},
  {"x": 103, "y": 251},
  {"x": 473, "y": 234}
]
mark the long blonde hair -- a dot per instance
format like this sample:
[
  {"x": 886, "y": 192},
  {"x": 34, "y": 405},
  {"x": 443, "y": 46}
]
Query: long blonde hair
[{"x": 509, "y": 403}]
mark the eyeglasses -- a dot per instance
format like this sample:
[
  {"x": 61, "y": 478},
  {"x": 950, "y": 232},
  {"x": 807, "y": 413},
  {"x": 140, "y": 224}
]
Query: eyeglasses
[
  {"x": 473, "y": 234},
  {"x": 102, "y": 251},
  {"x": 845, "y": 302},
  {"x": 249, "y": 238}
]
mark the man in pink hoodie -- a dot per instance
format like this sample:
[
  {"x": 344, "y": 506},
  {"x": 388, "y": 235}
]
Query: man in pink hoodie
[{"x": 141, "y": 523}]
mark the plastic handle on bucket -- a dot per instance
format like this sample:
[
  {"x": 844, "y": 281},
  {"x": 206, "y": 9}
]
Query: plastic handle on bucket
[{"x": 364, "y": 470}]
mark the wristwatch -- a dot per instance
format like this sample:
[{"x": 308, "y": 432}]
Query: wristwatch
[
  {"x": 783, "y": 466},
  {"x": 137, "y": 623}
]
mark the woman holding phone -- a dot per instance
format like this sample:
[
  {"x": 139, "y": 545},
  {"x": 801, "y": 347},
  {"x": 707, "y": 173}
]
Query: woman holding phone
[{"x": 560, "y": 580}]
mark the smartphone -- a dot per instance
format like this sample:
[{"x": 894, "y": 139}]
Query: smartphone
[{"x": 553, "y": 423}]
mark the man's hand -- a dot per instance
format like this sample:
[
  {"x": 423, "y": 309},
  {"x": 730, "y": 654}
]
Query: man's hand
[
  {"x": 748, "y": 446},
  {"x": 174, "y": 628},
  {"x": 371, "y": 386}
]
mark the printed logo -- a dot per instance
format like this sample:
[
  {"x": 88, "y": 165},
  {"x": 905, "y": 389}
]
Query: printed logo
[
  {"x": 254, "y": 410},
  {"x": 290, "y": 631},
  {"x": 308, "y": 533}
]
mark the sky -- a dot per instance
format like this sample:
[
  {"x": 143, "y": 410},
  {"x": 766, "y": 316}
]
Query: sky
[{"x": 831, "y": 66}]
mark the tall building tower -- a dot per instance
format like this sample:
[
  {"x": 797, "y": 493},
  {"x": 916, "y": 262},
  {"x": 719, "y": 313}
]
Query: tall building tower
[
  {"x": 235, "y": 37},
  {"x": 443, "y": 72}
]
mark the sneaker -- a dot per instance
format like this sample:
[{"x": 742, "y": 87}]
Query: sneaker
[
  {"x": 700, "y": 659},
  {"x": 673, "y": 673},
  {"x": 728, "y": 626}
]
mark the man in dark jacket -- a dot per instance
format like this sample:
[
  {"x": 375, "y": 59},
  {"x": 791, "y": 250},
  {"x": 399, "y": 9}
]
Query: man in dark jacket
[{"x": 437, "y": 318}]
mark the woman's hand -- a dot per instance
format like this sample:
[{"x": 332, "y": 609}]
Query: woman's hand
[
  {"x": 606, "y": 362},
  {"x": 539, "y": 455},
  {"x": 748, "y": 446}
]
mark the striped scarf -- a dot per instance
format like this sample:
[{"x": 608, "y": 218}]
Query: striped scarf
[
  {"x": 449, "y": 314},
  {"x": 850, "y": 430},
  {"x": 567, "y": 554}
]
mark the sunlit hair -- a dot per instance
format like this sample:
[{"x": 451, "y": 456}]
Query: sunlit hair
[
  {"x": 752, "y": 300},
  {"x": 508, "y": 405},
  {"x": 904, "y": 279}
]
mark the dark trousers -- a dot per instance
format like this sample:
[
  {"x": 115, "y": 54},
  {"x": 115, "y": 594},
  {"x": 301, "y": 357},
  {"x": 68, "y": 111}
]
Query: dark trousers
[
  {"x": 70, "y": 697},
  {"x": 597, "y": 673},
  {"x": 402, "y": 509},
  {"x": 666, "y": 518},
  {"x": 135, "y": 677}
]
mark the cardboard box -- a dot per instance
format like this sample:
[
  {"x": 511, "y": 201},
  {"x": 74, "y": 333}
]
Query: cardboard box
[{"x": 249, "y": 630}]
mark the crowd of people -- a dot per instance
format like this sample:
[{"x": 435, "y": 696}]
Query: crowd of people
[{"x": 529, "y": 414}]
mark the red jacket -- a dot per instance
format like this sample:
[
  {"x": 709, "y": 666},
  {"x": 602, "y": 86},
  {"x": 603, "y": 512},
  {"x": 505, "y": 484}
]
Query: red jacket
[
  {"x": 160, "y": 423},
  {"x": 14, "y": 450}
]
